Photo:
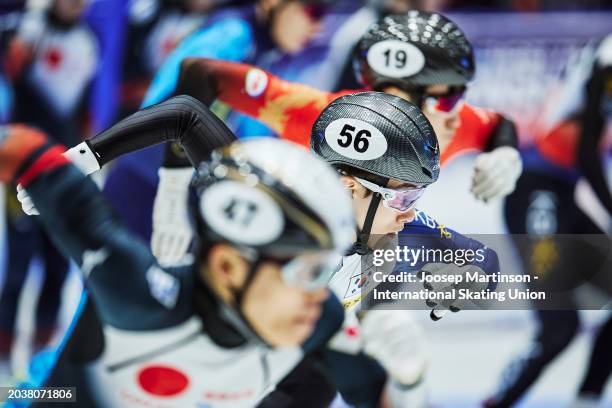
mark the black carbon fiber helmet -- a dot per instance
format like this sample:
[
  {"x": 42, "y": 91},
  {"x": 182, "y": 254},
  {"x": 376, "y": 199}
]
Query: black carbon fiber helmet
[
  {"x": 378, "y": 133},
  {"x": 414, "y": 50}
]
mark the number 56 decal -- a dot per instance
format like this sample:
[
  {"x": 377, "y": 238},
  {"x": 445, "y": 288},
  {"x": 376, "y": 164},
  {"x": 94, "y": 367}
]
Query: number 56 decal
[{"x": 355, "y": 139}]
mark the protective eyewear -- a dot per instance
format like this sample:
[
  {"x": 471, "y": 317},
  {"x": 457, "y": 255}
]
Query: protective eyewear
[
  {"x": 449, "y": 103},
  {"x": 310, "y": 271},
  {"x": 401, "y": 199}
]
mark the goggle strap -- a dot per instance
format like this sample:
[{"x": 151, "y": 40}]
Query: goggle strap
[
  {"x": 361, "y": 245},
  {"x": 239, "y": 292}
]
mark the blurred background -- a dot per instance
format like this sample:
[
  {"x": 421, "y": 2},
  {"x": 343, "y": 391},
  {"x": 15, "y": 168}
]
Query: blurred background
[{"x": 99, "y": 57}]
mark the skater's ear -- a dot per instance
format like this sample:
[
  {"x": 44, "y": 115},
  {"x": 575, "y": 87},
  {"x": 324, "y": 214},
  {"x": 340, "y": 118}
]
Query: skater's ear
[
  {"x": 225, "y": 271},
  {"x": 354, "y": 187}
]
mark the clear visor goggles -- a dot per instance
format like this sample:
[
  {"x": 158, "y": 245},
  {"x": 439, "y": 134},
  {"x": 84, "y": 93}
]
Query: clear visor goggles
[
  {"x": 310, "y": 271},
  {"x": 400, "y": 199}
]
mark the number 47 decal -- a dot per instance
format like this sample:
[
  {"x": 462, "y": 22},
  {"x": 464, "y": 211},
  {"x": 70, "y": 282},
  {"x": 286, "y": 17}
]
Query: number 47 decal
[
  {"x": 241, "y": 211},
  {"x": 360, "y": 142}
]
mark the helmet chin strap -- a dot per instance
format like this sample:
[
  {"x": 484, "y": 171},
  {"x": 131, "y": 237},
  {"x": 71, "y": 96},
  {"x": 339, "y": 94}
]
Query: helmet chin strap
[
  {"x": 361, "y": 244},
  {"x": 239, "y": 298}
]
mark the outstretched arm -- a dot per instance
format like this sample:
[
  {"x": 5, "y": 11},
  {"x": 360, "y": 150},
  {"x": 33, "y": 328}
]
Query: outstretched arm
[
  {"x": 180, "y": 119},
  {"x": 288, "y": 108},
  {"x": 255, "y": 93}
]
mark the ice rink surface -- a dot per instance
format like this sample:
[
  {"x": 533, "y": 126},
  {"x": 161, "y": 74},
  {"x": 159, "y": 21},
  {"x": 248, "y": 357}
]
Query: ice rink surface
[{"x": 469, "y": 349}]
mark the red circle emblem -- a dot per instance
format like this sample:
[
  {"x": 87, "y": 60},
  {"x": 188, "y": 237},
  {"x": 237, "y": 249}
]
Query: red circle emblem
[
  {"x": 162, "y": 381},
  {"x": 53, "y": 57},
  {"x": 351, "y": 331}
]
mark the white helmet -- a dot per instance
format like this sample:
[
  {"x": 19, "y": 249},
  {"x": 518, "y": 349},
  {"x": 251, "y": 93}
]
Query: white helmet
[{"x": 274, "y": 197}]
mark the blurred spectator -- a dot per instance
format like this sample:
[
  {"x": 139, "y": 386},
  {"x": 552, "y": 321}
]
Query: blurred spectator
[
  {"x": 155, "y": 27},
  {"x": 51, "y": 60},
  {"x": 543, "y": 206}
]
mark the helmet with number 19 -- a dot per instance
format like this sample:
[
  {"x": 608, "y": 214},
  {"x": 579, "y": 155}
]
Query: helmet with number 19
[
  {"x": 414, "y": 50},
  {"x": 423, "y": 57}
]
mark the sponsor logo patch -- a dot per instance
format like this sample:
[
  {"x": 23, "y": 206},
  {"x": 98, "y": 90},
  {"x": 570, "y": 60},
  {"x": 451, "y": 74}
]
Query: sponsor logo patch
[
  {"x": 163, "y": 286},
  {"x": 256, "y": 82}
]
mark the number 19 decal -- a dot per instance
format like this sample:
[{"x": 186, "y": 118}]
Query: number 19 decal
[
  {"x": 395, "y": 59},
  {"x": 355, "y": 139}
]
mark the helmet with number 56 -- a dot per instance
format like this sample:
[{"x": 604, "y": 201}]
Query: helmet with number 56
[
  {"x": 385, "y": 144},
  {"x": 380, "y": 134}
]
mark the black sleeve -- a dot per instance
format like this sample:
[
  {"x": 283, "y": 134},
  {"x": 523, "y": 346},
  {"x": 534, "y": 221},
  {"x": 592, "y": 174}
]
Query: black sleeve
[
  {"x": 197, "y": 80},
  {"x": 296, "y": 389},
  {"x": 504, "y": 135},
  {"x": 592, "y": 129},
  {"x": 180, "y": 119}
]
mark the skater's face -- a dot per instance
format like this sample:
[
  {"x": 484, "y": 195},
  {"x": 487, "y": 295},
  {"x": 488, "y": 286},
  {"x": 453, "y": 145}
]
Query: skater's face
[
  {"x": 283, "y": 315},
  {"x": 69, "y": 11},
  {"x": 294, "y": 25},
  {"x": 445, "y": 124},
  {"x": 387, "y": 220}
]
